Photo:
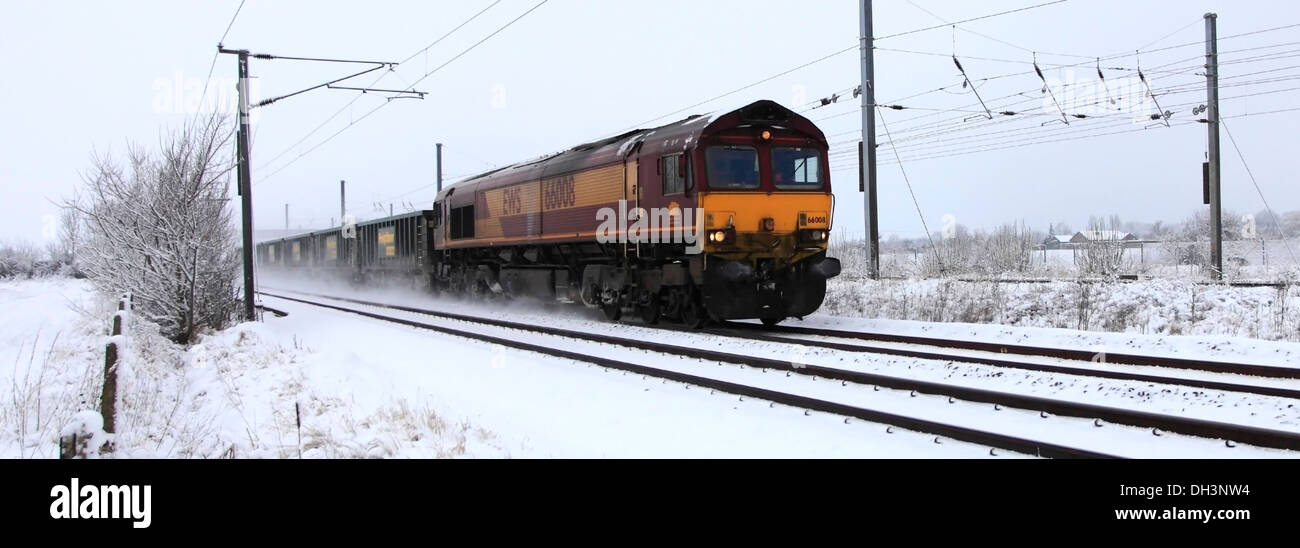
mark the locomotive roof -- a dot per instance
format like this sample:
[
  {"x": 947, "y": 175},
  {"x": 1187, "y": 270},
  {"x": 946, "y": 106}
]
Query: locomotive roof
[{"x": 677, "y": 136}]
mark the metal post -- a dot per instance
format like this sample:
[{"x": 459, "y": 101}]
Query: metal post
[
  {"x": 439, "y": 167},
  {"x": 286, "y": 216},
  {"x": 869, "y": 139},
  {"x": 1212, "y": 106},
  {"x": 343, "y": 210},
  {"x": 246, "y": 186}
]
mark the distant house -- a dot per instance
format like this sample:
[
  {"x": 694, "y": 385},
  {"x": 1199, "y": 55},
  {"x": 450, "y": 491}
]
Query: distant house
[
  {"x": 1087, "y": 236},
  {"x": 1056, "y": 241}
]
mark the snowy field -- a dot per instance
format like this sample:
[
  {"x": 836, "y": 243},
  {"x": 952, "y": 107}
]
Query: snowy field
[
  {"x": 1147, "y": 307},
  {"x": 370, "y": 389},
  {"x": 367, "y": 388}
]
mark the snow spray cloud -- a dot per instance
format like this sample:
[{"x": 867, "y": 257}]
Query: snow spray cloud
[
  {"x": 76, "y": 501},
  {"x": 639, "y": 225}
]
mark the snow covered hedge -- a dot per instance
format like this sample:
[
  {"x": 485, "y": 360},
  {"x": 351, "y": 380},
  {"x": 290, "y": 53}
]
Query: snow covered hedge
[
  {"x": 1160, "y": 307},
  {"x": 160, "y": 228}
]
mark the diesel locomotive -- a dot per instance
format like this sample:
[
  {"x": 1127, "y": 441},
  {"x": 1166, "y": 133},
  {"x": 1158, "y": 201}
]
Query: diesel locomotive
[{"x": 709, "y": 218}]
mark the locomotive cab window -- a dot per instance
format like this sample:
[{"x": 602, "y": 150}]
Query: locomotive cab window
[
  {"x": 795, "y": 168},
  {"x": 732, "y": 167},
  {"x": 673, "y": 169},
  {"x": 462, "y": 222}
]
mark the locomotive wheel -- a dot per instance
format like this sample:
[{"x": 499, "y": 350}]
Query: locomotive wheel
[
  {"x": 693, "y": 315},
  {"x": 613, "y": 310},
  {"x": 650, "y": 311},
  {"x": 770, "y": 321}
]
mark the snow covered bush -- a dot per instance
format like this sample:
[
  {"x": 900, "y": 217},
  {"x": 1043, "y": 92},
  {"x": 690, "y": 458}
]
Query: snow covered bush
[
  {"x": 160, "y": 229},
  {"x": 1159, "y": 307},
  {"x": 1007, "y": 250},
  {"x": 18, "y": 261}
]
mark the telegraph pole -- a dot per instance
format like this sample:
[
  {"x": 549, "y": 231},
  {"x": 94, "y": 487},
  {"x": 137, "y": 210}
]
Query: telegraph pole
[
  {"x": 245, "y": 183},
  {"x": 439, "y": 167},
  {"x": 1212, "y": 117},
  {"x": 869, "y": 141}
]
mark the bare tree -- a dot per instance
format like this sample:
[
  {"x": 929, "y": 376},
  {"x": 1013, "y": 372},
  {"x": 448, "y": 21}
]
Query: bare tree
[
  {"x": 63, "y": 249},
  {"x": 160, "y": 228},
  {"x": 1103, "y": 253},
  {"x": 1007, "y": 249}
]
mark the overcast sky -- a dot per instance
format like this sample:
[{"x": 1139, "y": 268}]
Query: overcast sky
[{"x": 93, "y": 76}]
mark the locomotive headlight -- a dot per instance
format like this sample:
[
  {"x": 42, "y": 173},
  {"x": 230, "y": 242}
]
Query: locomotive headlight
[
  {"x": 766, "y": 135},
  {"x": 815, "y": 235},
  {"x": 722, "y": 236}
]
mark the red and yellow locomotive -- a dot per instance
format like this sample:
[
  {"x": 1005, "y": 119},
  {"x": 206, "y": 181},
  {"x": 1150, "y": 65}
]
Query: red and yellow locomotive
[
  {"x": 712, "y": 217},
  {"x": 721, "y": 217}
]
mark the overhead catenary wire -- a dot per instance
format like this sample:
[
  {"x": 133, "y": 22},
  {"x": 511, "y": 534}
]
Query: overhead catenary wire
[
  {"x": 824, "y": 58},
  {"x": 934, "y": 128},
  {"x": 1018, "y": 133},
  {"x": 1018, "y": 137},
  {"x": 357, "y": 97},
  {"x": 1155, "y": 70},
  {"x": 417, "y": 81},
  {"x": 1034, "y": 142},
  {"x": 964, "y": 137},
  {"x": 972, "y": 19},
  {"x": 1258, "y": 190},
  {"x": 915, "y": 202},
  {"x": 204, "y": 94}
]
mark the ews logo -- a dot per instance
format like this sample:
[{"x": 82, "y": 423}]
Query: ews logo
[{"x": 512, "y": 202}]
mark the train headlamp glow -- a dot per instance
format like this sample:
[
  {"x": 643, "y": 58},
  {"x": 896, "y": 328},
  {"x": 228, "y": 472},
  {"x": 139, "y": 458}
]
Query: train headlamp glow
[
  {"x": 721, "y": 236},
  {"x": 766, "y": 135},
  {"x": 815, "y": 235}
]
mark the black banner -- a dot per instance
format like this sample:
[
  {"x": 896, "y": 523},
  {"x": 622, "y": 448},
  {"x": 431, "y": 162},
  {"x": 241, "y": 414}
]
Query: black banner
[{"x": 149, "y": 498}]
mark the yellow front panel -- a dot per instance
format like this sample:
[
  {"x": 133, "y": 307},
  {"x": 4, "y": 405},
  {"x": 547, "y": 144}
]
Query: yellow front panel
[{"x": 748, "y": 209}]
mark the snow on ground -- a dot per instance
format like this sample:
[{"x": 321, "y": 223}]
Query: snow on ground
[
  {"x": 1116, "y": 440},
  {"x": 1263, "y": 411},
  {"x": 1147, "y": 307},
  {"x": 366, "y": 388},
  {"x": 537, "y": 406},
  {"x": 47, "y": 356}
]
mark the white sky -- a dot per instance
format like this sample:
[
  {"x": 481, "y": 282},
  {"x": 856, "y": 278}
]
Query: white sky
[{"x": 86, "y": 76}]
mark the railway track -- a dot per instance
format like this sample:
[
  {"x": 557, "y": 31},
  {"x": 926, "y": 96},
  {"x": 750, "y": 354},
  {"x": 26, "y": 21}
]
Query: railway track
[
  {"x": 1210, "y": 366},
  {"x": 756, "y": 333},
  {"x": 1230, "y": 432},
  {"x": 993, "y": 440}
]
